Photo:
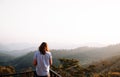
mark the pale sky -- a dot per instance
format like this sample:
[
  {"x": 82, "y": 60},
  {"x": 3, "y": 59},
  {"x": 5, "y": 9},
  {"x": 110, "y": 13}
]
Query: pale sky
[{"x": 60, "y": 21}]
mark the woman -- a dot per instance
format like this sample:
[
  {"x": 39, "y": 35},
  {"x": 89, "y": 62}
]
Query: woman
[{"x": 42, "y": 60}]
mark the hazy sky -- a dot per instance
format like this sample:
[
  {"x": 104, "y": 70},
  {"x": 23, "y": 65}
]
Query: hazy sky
[{"x": 60, "y": 21}]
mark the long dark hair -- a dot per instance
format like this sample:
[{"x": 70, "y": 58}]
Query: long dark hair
[{"x": 43, "y": 48}]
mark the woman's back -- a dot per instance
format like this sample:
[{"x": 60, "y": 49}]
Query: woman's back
[{"x": 43, "y": 64}]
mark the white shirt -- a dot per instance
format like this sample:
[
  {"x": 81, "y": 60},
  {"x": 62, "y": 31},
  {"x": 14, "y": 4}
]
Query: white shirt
[{"x": 43, "y": 64}]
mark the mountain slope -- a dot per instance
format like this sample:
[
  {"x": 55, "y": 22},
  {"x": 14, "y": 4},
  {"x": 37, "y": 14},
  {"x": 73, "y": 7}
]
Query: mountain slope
[
  {"x": 5, "y": 57},
  {"x": 85, "y": 55},
  {"x": 23, "y": 62}
]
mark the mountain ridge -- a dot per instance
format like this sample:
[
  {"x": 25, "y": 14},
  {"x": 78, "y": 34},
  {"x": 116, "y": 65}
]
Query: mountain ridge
[{"x": 85, "y": 55}]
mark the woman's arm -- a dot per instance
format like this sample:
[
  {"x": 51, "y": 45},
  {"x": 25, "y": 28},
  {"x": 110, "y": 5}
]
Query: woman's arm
[
  {"x": 34, "y": 62},
  {"x": 50, "y": 61}
]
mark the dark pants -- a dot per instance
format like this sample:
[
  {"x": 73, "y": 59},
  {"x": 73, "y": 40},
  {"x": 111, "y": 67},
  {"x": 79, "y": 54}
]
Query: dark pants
[{"x": 41, "y": 76}]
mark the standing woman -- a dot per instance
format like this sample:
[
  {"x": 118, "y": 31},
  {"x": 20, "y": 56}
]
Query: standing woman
[{"x": 42, "y": 60}]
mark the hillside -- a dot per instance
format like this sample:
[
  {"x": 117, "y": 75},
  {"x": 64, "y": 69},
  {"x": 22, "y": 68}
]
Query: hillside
[
  {"x": 107, "y": 68},
  {"x": 85, "y": 55},
  {"x": 23, "y": 62},
  {"x": 5, "y": 57},
  {"x": 17, "y": 53},
  {"x": 111, "y": 64}
]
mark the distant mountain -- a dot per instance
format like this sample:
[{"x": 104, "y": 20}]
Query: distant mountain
[
  {"x": 17, "y": 49},
  {"x": 3, "y": 47},
  {"x": 20, "y": 46},
  {"x": 85, "y": 55},
  {"x": 5, "y": 58},
  {"x": 23, "y": 62},
  {"x": 17, "y": 46},
  {"x": 18, "y": 53},
  {"x": 88, "y": 54},
  {"x": 93, "y": 44}
]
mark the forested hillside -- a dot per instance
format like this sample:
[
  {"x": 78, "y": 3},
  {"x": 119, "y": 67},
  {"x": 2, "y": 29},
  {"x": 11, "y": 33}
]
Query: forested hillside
[
  {"x": 106, "y": 68},
  {"x": 5, "y": 57},
  {"x": 88, "y": 54},
  {"x": 84, "y": 55},
  {"x": 108, "y": 65},
  {"x": 23, "y": 62}
]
